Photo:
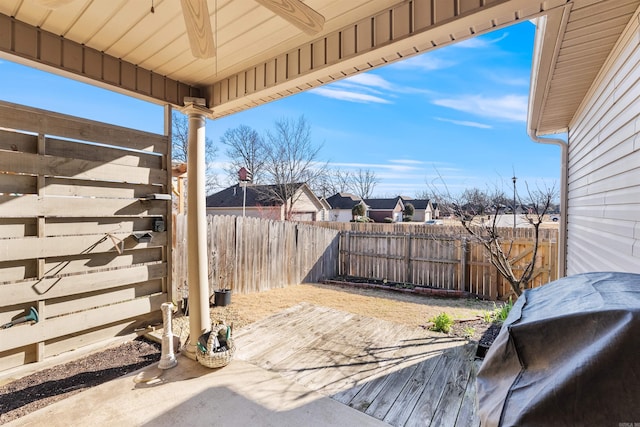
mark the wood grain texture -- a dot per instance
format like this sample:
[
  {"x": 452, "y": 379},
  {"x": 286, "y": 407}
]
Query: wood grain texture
[
  {"x": 20, "y": 117},
  {"x": 28, "y": 206},
  {"x": 17, "y": 249},
  {"x": 399, "y": 375},
  {"x": 297, "y": 13},
  {"x": 439, "y": 257},
  {"x": 61, "y": 287},
  {"x": 34, "y": 164},
  {"x": 198, "y": 25},
  {"x": 253, "y": 254},
  {"x": 72, "y": 195},
  {"x": 77, "y": 322}
]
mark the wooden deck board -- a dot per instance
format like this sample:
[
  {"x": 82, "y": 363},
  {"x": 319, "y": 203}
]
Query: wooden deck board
[
  {"x": 468, "y": 415},
  {"x": 406, "y": 401},
  {"x": 397, "y": 374}
]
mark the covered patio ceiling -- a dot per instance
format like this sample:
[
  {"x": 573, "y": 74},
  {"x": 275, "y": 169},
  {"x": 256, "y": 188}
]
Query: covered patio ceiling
[{"x": 259, "y": 56}]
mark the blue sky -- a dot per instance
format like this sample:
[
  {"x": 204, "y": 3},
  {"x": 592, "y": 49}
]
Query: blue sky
[{"x": 458, "y": 112}]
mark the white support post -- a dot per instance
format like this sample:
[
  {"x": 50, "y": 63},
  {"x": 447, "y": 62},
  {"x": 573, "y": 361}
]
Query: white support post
[{"x": 199, "y": 319}]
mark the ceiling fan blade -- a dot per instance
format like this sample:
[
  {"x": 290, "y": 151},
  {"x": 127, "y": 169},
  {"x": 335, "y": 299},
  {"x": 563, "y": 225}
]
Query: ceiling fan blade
[
  {"x": 198, "y": 23},
  {"x": 53, "y": 4},
  {"x": 297, "y": 13}
]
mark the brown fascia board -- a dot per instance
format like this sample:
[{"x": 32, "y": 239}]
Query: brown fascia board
[
  {"x": 549, "y": 33},
  {"x": 32, "y": 46}
]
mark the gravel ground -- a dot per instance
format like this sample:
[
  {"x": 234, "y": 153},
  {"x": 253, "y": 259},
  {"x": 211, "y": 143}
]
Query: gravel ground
[{"x": 42, "y": 388}]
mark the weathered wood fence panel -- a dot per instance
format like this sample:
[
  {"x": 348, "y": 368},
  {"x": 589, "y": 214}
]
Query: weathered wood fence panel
[
  {"x": 252, "y": 254},
  {"x": 448, "y": 259},
  {"x": 72, "y": 204}
]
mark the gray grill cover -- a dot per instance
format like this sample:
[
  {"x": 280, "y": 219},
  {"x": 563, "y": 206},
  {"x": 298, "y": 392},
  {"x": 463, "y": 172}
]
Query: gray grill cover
[{"x": 567, "y": 355}]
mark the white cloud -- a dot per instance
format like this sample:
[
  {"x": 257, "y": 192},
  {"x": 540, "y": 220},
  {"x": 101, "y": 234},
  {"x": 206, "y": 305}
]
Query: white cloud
[
  {"x": 480, "y": 42},
  {"x": 368, "y": 79},
  {"x": 508, "y": 107},
  {"x": 464, "y": 123},
  {"x": 425, "y": 62},
  {"x": 363, "y": 88},
  {"x": 345, "y": 95},
  {"x": 366, "y": 88},
  {"x": 407, "y": 161},
  {"x": 349, "y": 86},
  {"x": 380, "y": 166}
]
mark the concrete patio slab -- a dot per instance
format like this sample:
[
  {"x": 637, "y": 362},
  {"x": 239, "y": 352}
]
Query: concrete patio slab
[{"x": 240, "y": 394}]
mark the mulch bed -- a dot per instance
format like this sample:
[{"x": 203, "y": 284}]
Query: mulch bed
[
  {"x": 45, "y": 387},
  {"x": 409, "y": 288}
]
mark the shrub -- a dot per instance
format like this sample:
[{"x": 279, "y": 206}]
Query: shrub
[
  {"x": 387, "y": 219},
  {"x": 409, "y": 210},
  {"x": 498, "y": 314},
  {"x": 442, "y": 323},
  {"x": 501, "y": 313},
  {"x": 407, "y": 218},
  {"x": 358, "y": 210}
]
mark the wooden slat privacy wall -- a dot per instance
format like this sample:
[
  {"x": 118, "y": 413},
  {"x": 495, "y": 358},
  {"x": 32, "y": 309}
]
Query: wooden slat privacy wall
[{"x": 73, "y": 205}]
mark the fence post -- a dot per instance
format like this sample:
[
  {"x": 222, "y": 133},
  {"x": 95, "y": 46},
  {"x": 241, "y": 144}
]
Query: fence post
[
  {"x": 347, "y": 261},
  {"x": 409, "y": 275},
  {"x": 387, "y": 274},
  {"x": 464, "y": 274}
]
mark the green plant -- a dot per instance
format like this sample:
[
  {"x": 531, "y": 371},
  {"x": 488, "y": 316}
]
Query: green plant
[
  {"x": 503, "y": 312},
  {"x": 442, "y": 323},
  {"x": 469, "y": 331},
  {"x": 407, "y": 213},
  {"x": 387, "y": 219},
  {"x": 498, "y": 314},
  {"x": 358, "y": 211}
]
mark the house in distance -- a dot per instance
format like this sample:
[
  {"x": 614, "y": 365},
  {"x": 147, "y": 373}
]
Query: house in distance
[{"x": 266, "y": 201}]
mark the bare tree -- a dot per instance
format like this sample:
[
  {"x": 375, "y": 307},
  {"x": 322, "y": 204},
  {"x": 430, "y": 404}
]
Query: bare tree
[
  {"x": 424, "y": 195},
  {"x": 291, "y": 158},
  {"x": 342, "y": 180},
  {"x": 180, "y": 146},
  {"x": 364, "y": 181},
  {"x": 333, "y": 181},
  {"x": 244, "y": 148},
  {"x": 479, "y": 216}
]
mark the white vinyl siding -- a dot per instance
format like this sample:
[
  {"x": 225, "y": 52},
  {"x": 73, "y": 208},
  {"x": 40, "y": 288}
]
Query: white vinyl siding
[
  {"x": 340, "y": 215},
  {"x": 603, "y": 232}
]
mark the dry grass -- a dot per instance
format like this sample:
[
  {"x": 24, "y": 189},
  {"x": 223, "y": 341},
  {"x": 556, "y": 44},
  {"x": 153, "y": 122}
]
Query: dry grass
[{"x": 406, "y": 309}]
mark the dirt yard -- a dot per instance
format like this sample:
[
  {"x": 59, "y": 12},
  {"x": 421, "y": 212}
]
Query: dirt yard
[
  {"x": 411, "y": 310},
  {"x": 401, "y": 308}
]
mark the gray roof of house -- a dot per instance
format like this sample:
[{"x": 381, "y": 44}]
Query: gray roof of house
[
  {"x": 257, "y": 195},
  {"x": 343, "y": 201},
  {"x": 418, "y": 203},
  {"x": 389, "y": 204}
]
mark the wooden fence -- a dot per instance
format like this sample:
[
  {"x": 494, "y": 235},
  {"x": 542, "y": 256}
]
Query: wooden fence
[
  {"x": 79, "y": 240},
  {"x": 443, "y": 257},
  {"x": 252, "y": 254}
]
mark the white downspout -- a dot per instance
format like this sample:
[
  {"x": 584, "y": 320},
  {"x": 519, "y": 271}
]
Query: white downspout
[
  {"x": 559, "y": 22},
  {"x": 562, "y": 234}
]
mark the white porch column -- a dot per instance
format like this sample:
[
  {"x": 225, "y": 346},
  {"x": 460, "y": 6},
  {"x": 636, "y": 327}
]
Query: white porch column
[{"x": 199, "y": 320}]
